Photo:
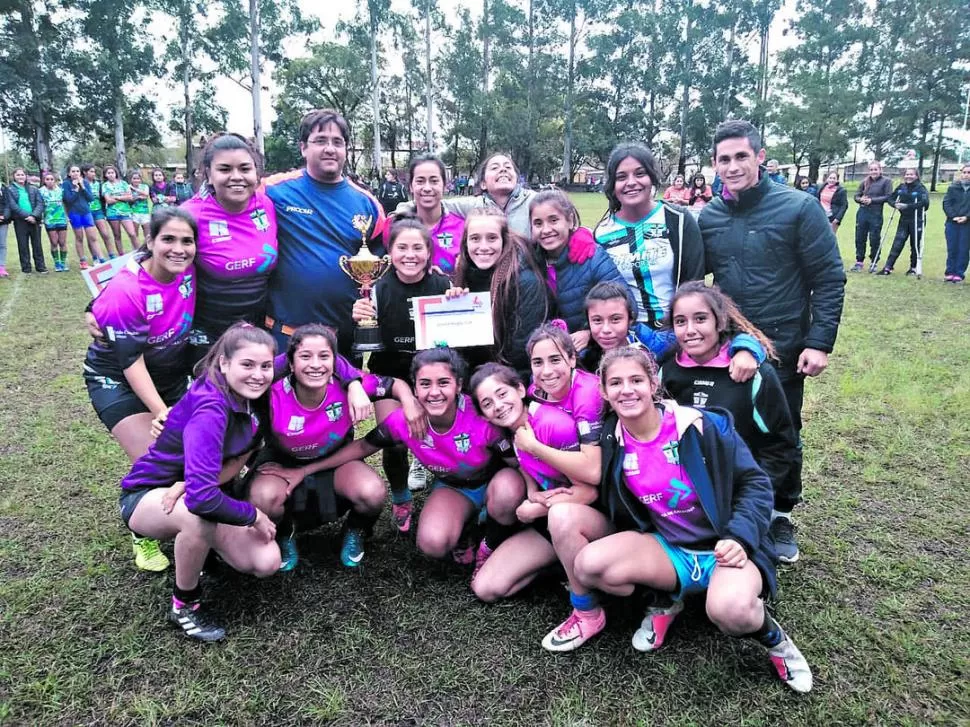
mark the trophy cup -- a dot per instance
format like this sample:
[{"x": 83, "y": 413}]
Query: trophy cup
[{"x": 365, "y": 269}]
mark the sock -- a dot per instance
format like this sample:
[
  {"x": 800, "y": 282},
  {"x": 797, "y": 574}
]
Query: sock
[
  {"x": 399, "y": 497},
  {"x": 362, "y": 521},
  {"x": 775, "y": 514},
  {"x": 182, "y": 598},
  {"x": 395, "y": 462},
  {"x": 584, "y": 601},
  {"x": 63, "y": 257},
  {"x": 496, "y": 533},
  {"x": 770, "y": 634}
]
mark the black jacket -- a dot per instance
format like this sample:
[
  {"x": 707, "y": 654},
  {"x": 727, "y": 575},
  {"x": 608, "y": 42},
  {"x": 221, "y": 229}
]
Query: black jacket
[
  {"x": 36, "y": 203},
  {"x": 877, "y": 191},
  {"x": 4, "y": 206},
  {"x": 956, "y": 201},
  {"x": 773, "y": 251},
  {"x": 840, "y": 202},
  {"x": 912, "y": 196}
]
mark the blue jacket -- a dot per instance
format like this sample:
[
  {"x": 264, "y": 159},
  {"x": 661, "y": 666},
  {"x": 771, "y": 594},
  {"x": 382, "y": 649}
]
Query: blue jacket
[
  {"x": 79, "y": 202},
  {"x": 912, "y": 196},
  {"x": 575, "y": 280},
  {"x": 735, "y": 493}
]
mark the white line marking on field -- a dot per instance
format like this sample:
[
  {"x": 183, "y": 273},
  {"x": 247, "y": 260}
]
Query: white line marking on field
[{"x": 8, "y": 306}]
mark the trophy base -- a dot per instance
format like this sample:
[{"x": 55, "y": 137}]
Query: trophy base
[{"x": 367, "y": 339}]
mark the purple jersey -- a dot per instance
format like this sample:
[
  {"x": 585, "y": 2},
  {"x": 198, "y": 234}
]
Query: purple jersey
[
  {"x": 467, "y": 455},
  {"x": 583, "y": 403},
  {"x": 653, "y": 473},
  {"x": 204, "y": 429},
  {"x": 236, "y": 254},
  {"x": 140, "y": 316},
  {"x": 446, "y": 242},
  {"x": 312, "y": 433},
  {"x": 556, "y": 429}
]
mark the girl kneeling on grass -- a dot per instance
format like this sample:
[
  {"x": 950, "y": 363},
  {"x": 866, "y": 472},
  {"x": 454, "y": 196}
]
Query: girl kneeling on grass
[
  {"x": 470, "y": 459},
  {"x": 686, "y": 512},
  {"x": 208, "y": 436},
  {"x": 310, "y": 417},
  {"x": 410, "y": 249},
  {"x": 500, "y": 396},
  {"x": 136, "y": 369}
]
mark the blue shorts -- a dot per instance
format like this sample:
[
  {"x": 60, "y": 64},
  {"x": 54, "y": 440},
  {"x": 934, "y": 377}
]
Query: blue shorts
[
  {"x": 97, "y": 215},
  {"x": 475, "y": 494},
  {"x": 79, "y": 221},
  {"x": 693, "y": 567},
  {"x": 118, "y": 217}
]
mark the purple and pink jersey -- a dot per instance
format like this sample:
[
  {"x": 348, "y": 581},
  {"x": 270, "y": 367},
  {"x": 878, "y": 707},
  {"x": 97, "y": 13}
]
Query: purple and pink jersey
[
  {"x": 140, "y": 316},
  {"x": 446, "y": 242},
  {"x": 309, "y": 434},
  {"x": 653, "y": 473},
  {"x": 236, "y": 254},
  {"x": 467, "y": 455},
  {"x": 583, "y": 403},
  {"x": 556, "y": 429}
]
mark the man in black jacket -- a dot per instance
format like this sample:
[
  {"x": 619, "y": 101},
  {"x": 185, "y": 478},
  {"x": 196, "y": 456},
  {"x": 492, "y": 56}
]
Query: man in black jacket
[
  {"x": 772, "y": 250},
  {"x": 391, "y": 192}
]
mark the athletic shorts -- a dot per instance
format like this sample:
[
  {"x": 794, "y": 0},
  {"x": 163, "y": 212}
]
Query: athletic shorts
[
  {"x": 116, "y": 217},
  {"x": 97, "y": 215},
  {"x": 476, "y": 495},
  {"x": 693, "y": 567},
  {"x": 140, "y": 218},
  {"x": 55, "y": 228},
  {"x": 79, "y": 221},
  {"x": 114, "y": 400},
  {"x": 128, "y": 501}
]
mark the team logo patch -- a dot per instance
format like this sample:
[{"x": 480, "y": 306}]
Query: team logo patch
[
  {"x": 260, "y": 220},
  {"x": 153, "y": 304},
  {"x": 334, "y": 411},
  {"x": 671, "y": 452},
  {"x": 185, "y": 288},
  {"x": 446, "y": 239},
  {"x": 678, "y": 491},
  {"x": 267, "y": 258},
  {"x": 427, "y": 442},
  {"x": 631, "y": 463},
  {"x": 184, "y": 325},
  {"x": 296, "y": 424},
  {"x": 218, "y": 228},
  {"x": 700, "y": 398},
  {"x": 463, "y": 443}
]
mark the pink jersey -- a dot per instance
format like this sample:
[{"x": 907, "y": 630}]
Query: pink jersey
[
  {"x": 467, "y": 455},
  {"x": 446, "y": 242},
  {"x": 653, "y": 473},
  {"x": 313, "y": 433},
  {"x": 583, "y": 403},
  {"x": 143, "y": 317},
  {"x": 556, "y": 429}
]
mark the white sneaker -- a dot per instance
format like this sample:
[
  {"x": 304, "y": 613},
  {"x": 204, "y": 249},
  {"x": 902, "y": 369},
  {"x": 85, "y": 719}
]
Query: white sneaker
[
  {"x": 791, "y": 666},
  {"x": 417, "y": 476},
  {"x": 653, "y": 629}
]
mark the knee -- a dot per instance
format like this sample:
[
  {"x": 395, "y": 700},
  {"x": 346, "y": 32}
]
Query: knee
[
  {"x": 371, "y": 494},
  {"x": 434, "y": 543},
  {"x": 733, "y": 613},
  {"x": 266, "y": 561},
  {"x": 269, "y": 499},
  {"x": 588, "y": 569},
  {"x": 563, "y": 520},
  {"x": 505, "y": 492},
  {"x": 485, "y": 591}
]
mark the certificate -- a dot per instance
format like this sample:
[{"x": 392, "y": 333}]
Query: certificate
[
  {"x": 98, "y": 276},
  {"x": 458, "y": 322}
]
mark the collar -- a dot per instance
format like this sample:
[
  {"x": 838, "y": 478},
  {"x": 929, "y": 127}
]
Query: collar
[{"x": 751, "y": 196}]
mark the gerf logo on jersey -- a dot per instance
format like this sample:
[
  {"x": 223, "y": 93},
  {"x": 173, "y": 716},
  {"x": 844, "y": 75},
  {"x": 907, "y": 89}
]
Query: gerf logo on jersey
[
  {"x": 296, "y": 424},
  {"x": 671, "y": 453},
  {"x": 267, "y": 258},
  {"x": 260, "y": 220},
  {"x": 219, "y": 230},
  {"x": 153, "y": 305},
  {"x": 463, "y": 443},
  {"x": 185, "y": 287},
  {"x": 446, "y": 239},
  {"x": 334, "y": 411}
]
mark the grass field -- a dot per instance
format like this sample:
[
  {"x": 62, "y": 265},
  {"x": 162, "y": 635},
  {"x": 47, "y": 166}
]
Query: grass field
[{"x": 878, "y": 603}]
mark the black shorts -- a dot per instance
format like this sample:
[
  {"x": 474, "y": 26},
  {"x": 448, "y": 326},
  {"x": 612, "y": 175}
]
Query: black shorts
[
  {"x": 114, "y": 400},
  {"x": 313, "y": 502},
  {"x": 128, "y": 501}
]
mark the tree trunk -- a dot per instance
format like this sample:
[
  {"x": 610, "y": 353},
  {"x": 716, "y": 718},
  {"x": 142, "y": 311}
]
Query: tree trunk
[
  {"x": 121, "y": 155},
  {"x": 186, "y": 32},
  {"x": 254, "y": 73},
  {"x": 685, "y": 101},
  {"x": 38, "y": 113},
  {"x": 376, "y": 90},
  {"x": 924, "y": 129},
  {"x": 526, "y": 165},
  {"x": 936, "y": 153},
  {"x": 427, "y": 59},
  {"x": 567, "y": 142},
  {"x": 486, "y": 71},
  {"x": 729, "y": 67}
]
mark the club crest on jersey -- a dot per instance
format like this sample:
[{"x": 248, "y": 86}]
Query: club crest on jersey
[
  {"x": 153, "y": 305},
  {"x": 631, "y": 463},
  {"x": 463, "y": 443},
  {"x": 260, "y": 220},
  {"x": 185, "y": 287},
  {"x": 446, "y": 239},
  {"x": 700, "y": 398},
  {"x": 218, "y": 229},
  {"x": 671, "y": 452},
  {"x": 296, "y": 424},
  {"x": 334, "y": 411}
]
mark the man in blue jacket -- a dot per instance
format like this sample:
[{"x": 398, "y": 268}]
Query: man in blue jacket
[{"x": 772, "y": 250}]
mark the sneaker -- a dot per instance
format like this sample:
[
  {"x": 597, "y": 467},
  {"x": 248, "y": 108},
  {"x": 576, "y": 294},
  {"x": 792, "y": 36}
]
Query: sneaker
[
  {"x": 147, "y": 554},
  {"x": 417, "y": 476},
  {"x": 289, "y": 556},
  {"x": 464, "y": 552},
  {"x": 83, "y": 264},
  {"x": 653, "y": 629},
  {"x": 402, "y": 515},
  {"x": 885, "y": 271},
  {"x": 57, "y": 266},
  {"x": 481, "y": 555},
  {"x": 575, "y": 631},
  {"x": 782, "y": 531},
  {"x": 45, "y": 271},
  {"x": 950, "y": 278},
  {"x": 911, "y": 271},
  {"x": 352, "y": 550},
  {"x": 103, "y": 260},
  {"x": 791, "y": 666},
  {"x": 196, "y": 623},
  {"x": 857, "y": 268},
  {"x": 3, "y": 272}
]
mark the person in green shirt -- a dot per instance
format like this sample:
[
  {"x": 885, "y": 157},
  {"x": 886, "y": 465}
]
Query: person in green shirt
[
  {"x": 55, "y": 220},
  {"x": 117, "y": 207},
  {"x": 26, "y": 208},
  {"x": 140, "y": 213},
  {"x": 90, "y": 173}
]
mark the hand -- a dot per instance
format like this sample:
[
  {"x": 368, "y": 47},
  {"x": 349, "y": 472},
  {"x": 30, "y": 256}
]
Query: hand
[
  {"x": 435, "y": 270},
  {"x": 416, "y": 417},
  {"x": 158, "y": 423},
  {"x": 31, "y": 219},
  {"x": 265, "y": 527},
  {"x": 730, "y": 554},
  {"x": 812, "y": 362},
  {"x": 960, "y": 220},
  {"x": 292, "y": 476},
  {"x": 866, "y": 200},
  {"x": 529, "y": 512},
  {"x": 900, "y": 206},
  {"x": 742, "y": 368},
  {"x": 835, "y": 225},
  {"x": 581, "y": 249},
  {"x": 363, "y": 308},
  {"x": 171, "y": 496},
  {"x": 361, "y": 407},
  {"x": 91, "y": 323},
  {"x": 455, "y": 292},
  {"x": 525, "y": 439},
  {"x": 580, "y": 339}
]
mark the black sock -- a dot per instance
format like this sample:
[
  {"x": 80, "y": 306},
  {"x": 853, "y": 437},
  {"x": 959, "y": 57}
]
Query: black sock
[
  {"x": 362, "y": 521},
  {"x": 395, "y": 461},
  {"x": 496, "y": 533},
  {"x": 191, "y": 595},
  {"x": 770, "y": 634}
]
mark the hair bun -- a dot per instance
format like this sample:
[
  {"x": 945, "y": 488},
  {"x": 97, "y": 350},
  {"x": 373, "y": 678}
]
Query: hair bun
[{"x": 560, "y": 324}]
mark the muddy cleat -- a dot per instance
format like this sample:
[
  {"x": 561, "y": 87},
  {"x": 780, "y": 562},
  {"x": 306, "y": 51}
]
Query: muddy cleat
[
  {"x": 653, "y": 629},
  {"x": 791, "y": 666},
  {"x": 401, "y": 514},
  {"x": 147, "y": 554},
  {"x": 417, "y": 476},
  {"x": 352, "y": 550},
  {"x": 575, "y": 631},
  {"x": 195, "y": 622}
]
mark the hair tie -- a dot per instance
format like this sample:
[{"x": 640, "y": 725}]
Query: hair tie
[{"x": 560, "y": 324}]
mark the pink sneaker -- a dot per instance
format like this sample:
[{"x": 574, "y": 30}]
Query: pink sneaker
[
  {"x": 481, "y": 555},
  {"x": 3, "y": 272},
  {"x": 653, "y": 628},
  {"x": 402, "y": 515},
  {"x": 575, "y": 631},
  {"x": 464, "y": 552}
]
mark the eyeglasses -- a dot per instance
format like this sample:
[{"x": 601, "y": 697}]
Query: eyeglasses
[{"x": 337, "y": 142}]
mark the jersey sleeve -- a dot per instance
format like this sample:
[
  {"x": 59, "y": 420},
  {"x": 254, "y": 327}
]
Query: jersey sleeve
[
  {"x": 346, "y": 371},
  {"x": 119, "y": 314},
  {"x": 377, "y": 387},
  {"x": 589, "y": 421},
  {"x": 385, "y": 434}
]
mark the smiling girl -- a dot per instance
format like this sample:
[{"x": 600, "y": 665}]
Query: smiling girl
[
  {"x": 427, "y": 175},
  {"x": 78, "y": 195},
  {"x": 686, "y": 512},
  {"x": 90, "y": 174},
  {"x": 55, "y": 220},
  {"x": 117, "y": 207},
  {"x": 209, "y": 435}
]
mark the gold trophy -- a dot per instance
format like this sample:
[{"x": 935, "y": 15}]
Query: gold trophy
[{"x": 365, "y": 269}]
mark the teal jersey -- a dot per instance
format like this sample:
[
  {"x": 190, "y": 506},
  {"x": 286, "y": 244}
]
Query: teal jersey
[
  {"x": 54, "y": 214},
  {"x": 112, "y": 189},
  {"x": 95, "y": 196},
  {"x": 140, "y": 206}
]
